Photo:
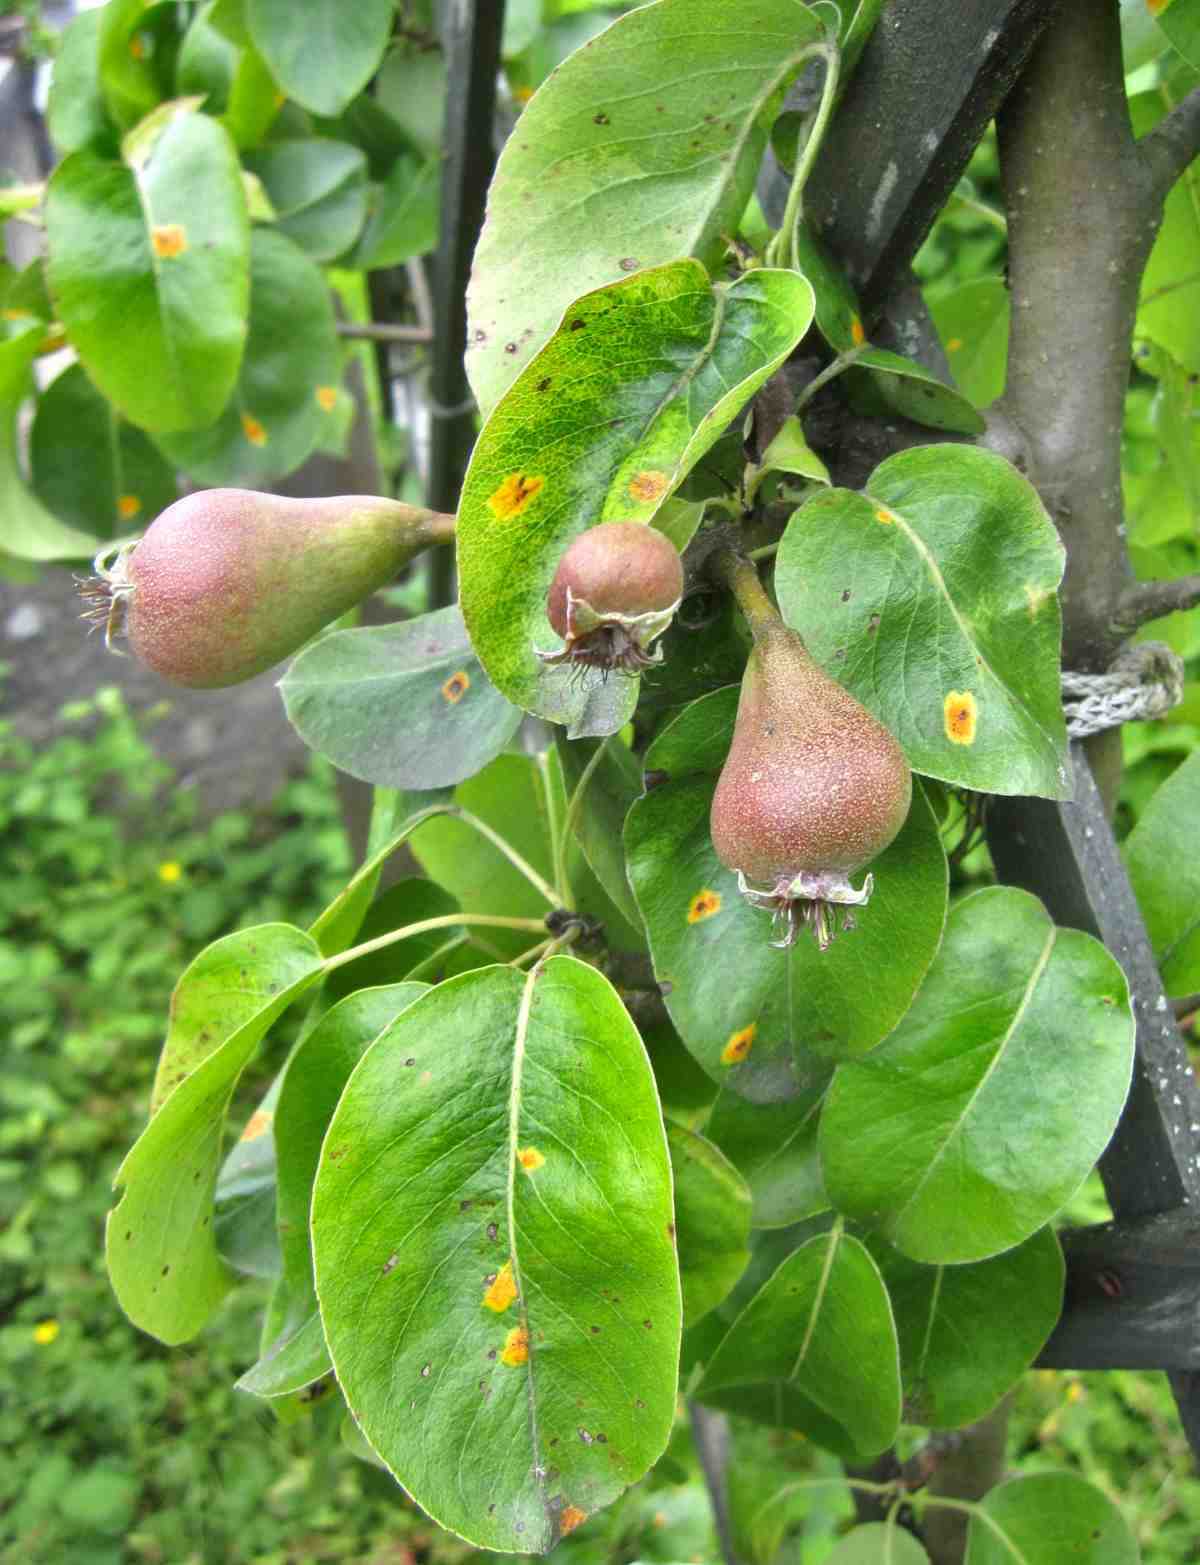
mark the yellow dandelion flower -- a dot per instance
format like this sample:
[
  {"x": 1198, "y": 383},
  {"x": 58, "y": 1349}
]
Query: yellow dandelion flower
[
  {"x": 170, "y": 872},
  {"x": 45, "y": 1332}
]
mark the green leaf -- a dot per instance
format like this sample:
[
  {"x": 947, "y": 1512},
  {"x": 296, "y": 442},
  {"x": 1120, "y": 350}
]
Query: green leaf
[
  {"x": 885, "y": 382},
  {"x": 233, "y": 77},
  {"x": 311, "y": 1086},
  {"x": 235, "y": 983},
  {"x": 136, "y": 43},
  {"x": 967, "y": 1129},
  {"x": 89, "y": 466},
  {"x": 968, "y": 1333},
  {"x": 31, "y": 532},
  {"x": 712, "y": 1221},
  {"x": 771, "y": 1034},
  {"x": 491, "y": 1235},
  {"x": 319, "y": 191},
  {"x": 790, "y": 452},
  {"x": 932, "y": 597},
  {"x": 407, "y": 901},
  {"x": 288, "y": 383},
  {"x": 411, "y": 87},
  {"x": 162, "y": 1257},
  {"x": 640, "y": 148},
  {"x": 819, "y": 1334},
  {"x": 774, "y": 1147},
  {"x": 1047, "y": 1518},
  {"x": 1169, "y": 306},
  {"x": 324, "y": 54},
  {"x": 972, "y": 321},
  {"x": 149, "y": 270},
  {"x": 838, "y": 314},
  {"x": 878, "y": 1543},
  {"x": 1181, "y": 23},
  {"x": 610, "y": 781},
  {"x": 403, "y": 706},
  {"x": 1164, "y": 867},
  {"x": 520, "y": 801},
  {"x": 76, "y": 114},
  {"x": 629, "y": 394},
  {"x": 402, "y": 215}
]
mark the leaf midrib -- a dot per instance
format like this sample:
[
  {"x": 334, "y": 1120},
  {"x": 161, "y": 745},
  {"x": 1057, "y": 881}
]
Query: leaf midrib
[{"x": 956, "y": 1128}]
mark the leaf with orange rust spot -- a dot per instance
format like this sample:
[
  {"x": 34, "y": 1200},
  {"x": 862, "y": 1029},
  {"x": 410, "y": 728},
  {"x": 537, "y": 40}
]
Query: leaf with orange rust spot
[
  {"x": 955, "y": 596},
  {"x": 273, "y": 421},
  {"x": 148, "y": 266},
  {"x": 402, "y": 706},
  {"x": 633, "y": 389},
  {"x": 771, "y": 1035},
  {"x": 162, "y": 1259},
  {"x": 493, "y": 1254},
  {"x": 94, "y": 472}
]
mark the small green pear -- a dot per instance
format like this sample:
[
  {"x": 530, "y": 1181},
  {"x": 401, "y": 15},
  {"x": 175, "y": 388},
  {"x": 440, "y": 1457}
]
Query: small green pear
[
  {"x": 813, "y": 788},
  {"x": 227, "y": 582}
]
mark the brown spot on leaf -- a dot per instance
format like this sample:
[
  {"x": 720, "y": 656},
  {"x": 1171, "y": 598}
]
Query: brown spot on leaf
[
  {"x": 257, "y": 1125},
  {"x": 648, "y": 486},
  {"x": 703, "y": 905},
  {"x": 502, "y": 1290},
  {"x": 571, "y": 1518},
  {"x": 960, "y": 712},
  {"x": 600, "y": 119},
  {"x": 456, "y": 687},
  {"x": 168, "y": 240},
  {"x": 515, "y": 494},
  {"x": 391, "y": 1263},
  {"x": 739, "y": 1045},
  {"x": 253, "y": 430},
  {"x": 516, "y": 1347}
]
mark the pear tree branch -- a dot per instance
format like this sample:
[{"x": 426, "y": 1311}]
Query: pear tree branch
[
  {"x": 1173, "y": 143},
  {"x": 1152, "y": 599}
]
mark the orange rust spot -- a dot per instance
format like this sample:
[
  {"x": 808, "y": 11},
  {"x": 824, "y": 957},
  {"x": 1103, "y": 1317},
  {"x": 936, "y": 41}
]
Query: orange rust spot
[
  {"x": 1035, "y": 597},
  {"x": 571, "y": 1518},
  {"x": 960, "y": 713},
  {"x": 513, "y": 496},
  {"x": 530, "y": 1158},
  {"x": 253, "y": 430},
  {"x": 128, "y": 505},
  {"x": 1157, "y": 7},
  {"x": 703, "y": 905},
  {"x": 16, "y": 315},
  {"x": 326, "y": 398},
  {"x": 257, "y": 1125},
  {"x": 739, "y": 1045},
  {"x": 522, "y": 94},
  {"x": 516, "y": 1347},
  {"x": 648, "y": 485},
  {"x": 885, "y": 517},
  {"x": 168, "y": 240},
  {"x": 954, "y": 345},
  {"x": 502, "y": 1290},
  {"x": 137, "y": 47},
  {"x": 857, "y": 335},
  {"x": 456, "y": 687}
]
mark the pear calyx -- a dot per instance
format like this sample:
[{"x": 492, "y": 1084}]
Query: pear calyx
[
  {"x": 814, "y": 788},
  {"x": 615, "y": 591},
  {"x": 227, "y": 582}
]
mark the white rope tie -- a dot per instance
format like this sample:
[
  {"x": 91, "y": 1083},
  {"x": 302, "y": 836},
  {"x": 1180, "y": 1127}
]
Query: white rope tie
[{"x": 1144, "y": 681}]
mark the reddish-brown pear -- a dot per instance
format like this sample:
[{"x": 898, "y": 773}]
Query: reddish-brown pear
[
  {"x": 814, "y": 787},
  {"x": 615, "y": 591},
  {"x": 227, "y": 582}
]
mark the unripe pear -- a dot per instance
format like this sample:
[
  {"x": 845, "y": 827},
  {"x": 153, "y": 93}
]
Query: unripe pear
[
  {"x": 227, "y": 582},
  {"x": 615, "y": 591},
  {"x": 814, "y": 787}
]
